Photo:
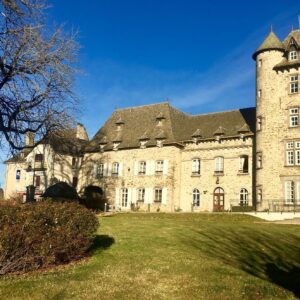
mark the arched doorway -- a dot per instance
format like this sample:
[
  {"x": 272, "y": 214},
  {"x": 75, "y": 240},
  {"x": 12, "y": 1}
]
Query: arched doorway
[
  {"x": 219, "y": 199},
  {"x": 94, "y": 197}
]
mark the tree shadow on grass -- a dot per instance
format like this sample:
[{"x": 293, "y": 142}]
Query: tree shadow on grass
[
  {"x": 270, "y": 255},
  {"x": 101, "y": 242}
]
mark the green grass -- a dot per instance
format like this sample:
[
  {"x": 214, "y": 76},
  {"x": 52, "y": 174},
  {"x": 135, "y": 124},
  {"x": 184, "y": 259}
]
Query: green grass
[{"x": 175, "y": 256}]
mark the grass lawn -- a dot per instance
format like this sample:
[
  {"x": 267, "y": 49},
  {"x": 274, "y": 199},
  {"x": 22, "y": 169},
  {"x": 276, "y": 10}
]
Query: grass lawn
[{"x": 175, "y": 256}]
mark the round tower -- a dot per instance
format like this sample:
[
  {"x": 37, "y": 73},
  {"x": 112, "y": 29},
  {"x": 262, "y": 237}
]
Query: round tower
[{"x": 267, "y": 151}]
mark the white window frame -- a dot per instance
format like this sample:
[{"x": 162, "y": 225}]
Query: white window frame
[
  {"x": 259, "y": 160},
  {"x": 142, "y": 167},
  {"x": 244, "y": 161},
  {"x": 158, "y": 194},
  {"x": 196, "y": 198},
  {"x": 244, "y": 197},
  {"x": 293, "y": 55},
  {"x": 293, "y": 153},
  {"x": 258, "y": 123},
  {"x": 196, "y": 166},
  {"x": 294, "y": 84},
  {"x": 219, "y": 165},
  {"x": 159, "y": 167},
  {"x": 289, "y": 190},
  {"x": 100, "y": 170},
  {"x": 140, "y": 194},
  {"x": 124, "y": 197},
  {"x": 115, "y": 169},
  {"x": 294, "y": 116}
]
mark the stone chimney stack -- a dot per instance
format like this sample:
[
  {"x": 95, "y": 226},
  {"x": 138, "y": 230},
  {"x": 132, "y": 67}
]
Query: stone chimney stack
[
  {"x": 81, "y": 132},
  {"x": 29, "y": 139}
]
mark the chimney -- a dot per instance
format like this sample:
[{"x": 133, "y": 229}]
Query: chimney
[
  {"x": 29, "y": 139},
  {"x": 81, "y": 132}
]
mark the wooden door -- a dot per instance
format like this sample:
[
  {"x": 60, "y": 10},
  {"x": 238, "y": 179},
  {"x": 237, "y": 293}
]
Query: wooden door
[{"x": 219, "y": 199}]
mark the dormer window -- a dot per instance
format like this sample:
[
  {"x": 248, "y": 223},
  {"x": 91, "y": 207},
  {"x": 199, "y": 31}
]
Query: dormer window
[
  {"x": 119, "y": 124},
  {"x": 293, "y": 55},
  {"x": 159, "y": 119}
]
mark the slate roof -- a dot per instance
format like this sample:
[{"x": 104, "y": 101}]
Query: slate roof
[
  {"x": 271, "y": 42},
  {"x": 176, "y": 128}
]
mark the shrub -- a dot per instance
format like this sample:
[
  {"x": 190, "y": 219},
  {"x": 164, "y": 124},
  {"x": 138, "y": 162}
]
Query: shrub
[{"x": 43, "y": 234}]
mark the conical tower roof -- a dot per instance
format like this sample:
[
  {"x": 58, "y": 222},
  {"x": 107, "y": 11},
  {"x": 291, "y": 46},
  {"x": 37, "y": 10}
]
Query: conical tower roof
[{"x": 271, "y": 42}]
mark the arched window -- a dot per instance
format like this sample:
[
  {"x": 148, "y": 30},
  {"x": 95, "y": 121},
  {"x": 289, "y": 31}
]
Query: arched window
[
  {"x": 219, "y": 199},
  {"x": 243, "y": 197},
  {"x": 115, "y": 169},
  {"x": 196, "y": 198}
]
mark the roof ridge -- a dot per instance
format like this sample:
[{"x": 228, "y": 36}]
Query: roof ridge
[
  {"x": 140, "y": 106},
  {"x": 221, "y": 112}
]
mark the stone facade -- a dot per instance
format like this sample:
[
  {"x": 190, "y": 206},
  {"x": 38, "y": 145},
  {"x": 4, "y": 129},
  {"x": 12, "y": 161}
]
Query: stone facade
[{"x": 156, "y": 158}]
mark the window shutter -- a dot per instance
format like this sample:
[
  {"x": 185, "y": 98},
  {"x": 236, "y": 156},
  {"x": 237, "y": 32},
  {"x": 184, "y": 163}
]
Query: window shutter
[
  {"x": 95, "y": 170},
  {"x": 152, "y": 167},
  {"x": 120, "y": 169},
  {"x": 288, "y": 187},
  {"x": 164, "y": 196},
  {"x": 165, "y": 171},
  {"x": 149, "y": 195},
  {"x": 298, "y": 192},
  {"x": 105, "y": 169},
  {"x": 136, "y": 168},
  {"x": 134, "y": 195},
  {"x": 148, "y": 167},
  {"x": 108, "y": 169},
  {"x": 117, "y": 198},
  {"x": 129, "y": 197}
]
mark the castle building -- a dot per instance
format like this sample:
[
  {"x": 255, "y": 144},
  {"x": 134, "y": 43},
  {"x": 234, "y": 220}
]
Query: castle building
[{"x": 157, "y": 158}]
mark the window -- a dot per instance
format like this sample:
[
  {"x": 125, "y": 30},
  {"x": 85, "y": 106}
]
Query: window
[
  {"x": 196, "y": 198},
  {"x": 293, "y": 153},
  {"x": 196, "y": 166},
  {"x": 259, "y": 63},
  {"x": 259, "y": 195},
  {"x": 258, "y": 123},
  {"x": 100, "y": 170},
  {"x": 158, "y": 195},
  {"x": 289, "y": 192},
  {"x": 258, "y": 160},
  {"x": 124, "y": 197},
  {"x": 244, "y": 164},
  {"x": 115, "y": 169},
  {"x": 244, "y": 197},
  {"x": 259, "y": 93},
  {"x": 18, "y": 174},
  {"x": 294, "y": 84},
  {"x": 294, "y": 117},
  {"x": 73, "y": 162},
  {"x": 142, "y": 168},
  {"x": 141, "y": 195},
  {"x": 75, "y": 182},
  {"x": 159, "y": 167},
  {"x": 293, "y": 55},
  {"x": 38, "y": 157},
  {"x": 37, "y": 181},
  {"x": 219, "y": 165}
]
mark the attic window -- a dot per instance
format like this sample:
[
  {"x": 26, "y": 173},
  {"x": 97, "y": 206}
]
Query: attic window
[{"x": 293, "y": 55}]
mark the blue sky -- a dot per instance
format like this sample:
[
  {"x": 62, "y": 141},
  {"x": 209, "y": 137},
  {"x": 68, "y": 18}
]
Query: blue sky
[{"x": 196, "y": 54}]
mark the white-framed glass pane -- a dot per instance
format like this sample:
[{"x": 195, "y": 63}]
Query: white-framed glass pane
[
  {"x": 293, "y": 55},
  {"x": 124, "y": 197},
  {"x": 158, "y": 194},
  {"x": 243, "y": 197},
  {"x": 297, "y": 154},
  {"x": 141, "y": 194},
  {"x": 196, "y": 198},
  {"x": 290, "y": 158},
  {"x": 115, "y": 168},
  {"x": 142, "y": 167},
  {"x": 289, "y": 192},
  {"x": 219, "y": 164},
  {"x": 159, "y": 166},
  {"x": 196, "y": 166},
  {"x": 294, "y": 121}
]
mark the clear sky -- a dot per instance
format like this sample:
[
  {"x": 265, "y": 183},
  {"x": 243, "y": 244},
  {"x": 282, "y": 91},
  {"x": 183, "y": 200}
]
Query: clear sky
[{"x": 196, "y": 54}]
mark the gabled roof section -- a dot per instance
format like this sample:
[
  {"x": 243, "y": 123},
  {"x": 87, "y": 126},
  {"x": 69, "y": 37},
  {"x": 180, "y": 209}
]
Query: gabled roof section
[
  {"x": 271, "y": 42},
  {"x": 220, "y": 131},
  {"x": 294, "y": 35},
  {"x": 178, "y": 127},
  {"x": 245, "y": 128}
]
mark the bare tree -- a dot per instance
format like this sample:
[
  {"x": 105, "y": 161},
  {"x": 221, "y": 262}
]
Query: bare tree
[{"x": 36, "y": 72}]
